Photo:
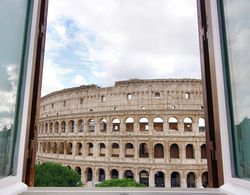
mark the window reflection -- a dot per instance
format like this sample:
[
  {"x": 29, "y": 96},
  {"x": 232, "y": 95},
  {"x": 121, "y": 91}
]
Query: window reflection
[
  {"x": 238, "y": 34},
  {"x": 12, "y": 20}
]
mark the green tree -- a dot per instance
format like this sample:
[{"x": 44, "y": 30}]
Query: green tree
[
  {"x": 120, "y": 183},
  {"x": 56, "y": 175}
]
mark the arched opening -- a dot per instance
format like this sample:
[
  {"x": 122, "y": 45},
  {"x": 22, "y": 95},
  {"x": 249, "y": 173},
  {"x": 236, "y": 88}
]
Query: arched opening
[
  {"x": 48, "y": 147},
  {"x": 69, "y": 148},
  {"x": 50, "y": 127},
  {"x": 54, "y": 148},
  {"x": 143, "y": 123},
  {"x": 44, "y": 147},
  {"x": 101, "y": 175},
  {"x": 80, "y": 125},
  {"x": 71, "y": 125},
  {"x": 203, "y": 151},
  {"x": 175, "y": 180},
  {"x": 129, "y": 150},
  {"x": 79, "y": 148},
  {"x": 56, "y": 127},
  {"x": 102, "y": 149},
  {"x": 173, "y": 123},
  {"x": 89, "y": 174},
  {"x": 61, "y": 148},
  {"x": 158, "y": 124},
  {"x": 115, "y": 150},
  {"x": 69, "y": 167},
  {"x": 187, "y": 124},
  {"x": 91, "y": 125},
  {"x": 129, "y": 124},
  {"x": 204, "y": 179},
  {"x": 191, "y": 180},
  {"x": 90, "y": 147},
  {"x": 174, "y": 151},
  {"x": 159, "y": 179},
  {"x": 143, "y": 150},
  {"x": 129, "y": 174},
  {"x": 116, "y": 124},
  {"x": 144, "y": 178},
  {"x": 63, "y": 126},
  {"x": 103, "y": 125},
  {"x": 46, "y": 128},
  {"x": 42, "y": 128},
  {"x": 78, "y": 170},
  {"x": 114, "y": 174},
  {"x": 189, "y": 151},
  {"x": 201, "y": 125},
  {"x": 158, "y": 151}
]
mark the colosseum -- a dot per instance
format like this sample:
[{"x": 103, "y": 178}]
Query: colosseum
[{"x": 150, "y": 130}]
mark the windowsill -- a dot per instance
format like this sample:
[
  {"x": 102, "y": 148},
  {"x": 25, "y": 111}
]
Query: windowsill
[
  {"x": 237, "y": 186},
  {"x": 118, "y": 191},
  {"x": 12, "y": 185}
]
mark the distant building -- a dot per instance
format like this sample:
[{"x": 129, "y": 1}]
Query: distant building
[
  {"x": 150, "y": 130},
  {"x": 5, "y": 157}
]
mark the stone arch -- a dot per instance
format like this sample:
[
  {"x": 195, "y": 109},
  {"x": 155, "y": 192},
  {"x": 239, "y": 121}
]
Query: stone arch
[
  {"x": 71, "y": 125},
  {"x": 188, "y": 124},
  {"x": 50, "y": 127},
  {"x": 204, "y": 179},
  {"x": 203, "y": 151},
  {"x": 61, "y": 148},
  {"x": 158, "y": 151},
  {"x": 91, "y": 125},
  {"x": 101, "y": 175},
  {"x": 175, "y": 180},
  {"x": 158, "y": 124},
  {"x": 102, "y": 149},
  {"x": 129, "y": 124},
  {"x": 114, "y": 174},
  {"x": 115, "y": 150},
  {"x": 56, "y": 127},
  {"x": 116, "y": 124},
  {"x": 129, "y": 174},
  {"x": 69, "y": 147},
  {"x": 63, "y": 126},
  {"x": 129, "y": 150},
  {"x": 80, "y": 125},
  {"x": 159, "y": 179},
  {"x": 143, "y": 124},
  {"x": 191, "y": 180},
  {"x": 173, "y": 123},
  {"x": 78, "y": 170},
  {"x": 90, "y": 147},
  {"x": 46, "y": 128},
  {"x": 144, "y": 177},
  {"x": 103, "y": 125},
  {"x": 54, "y": 148},
  {"x": 201, "y": 124},
  {"x": 89, "y": 174},
  {"x": 143, "y": 150},
  {"x": 174, "y": 151},
  {"x": 79, "y": 148},
  {"x": 189, "y": 151}
]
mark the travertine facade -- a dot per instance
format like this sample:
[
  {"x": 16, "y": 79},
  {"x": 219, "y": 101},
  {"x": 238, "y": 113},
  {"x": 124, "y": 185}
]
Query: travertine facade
[{"x": 148, "y": 130}]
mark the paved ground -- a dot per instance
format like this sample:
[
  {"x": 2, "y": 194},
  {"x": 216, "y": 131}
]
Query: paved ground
[{"x": 121, "y": 191}]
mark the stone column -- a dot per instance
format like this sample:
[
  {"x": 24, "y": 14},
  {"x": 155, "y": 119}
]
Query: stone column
[
  {"x": 151, "y": 179},
  {"x": 198, "y": 181}
]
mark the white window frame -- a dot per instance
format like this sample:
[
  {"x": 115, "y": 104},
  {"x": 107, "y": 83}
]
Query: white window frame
[
  {"x": 232, "y": 184},
  {"x": 14, "y": 184}
]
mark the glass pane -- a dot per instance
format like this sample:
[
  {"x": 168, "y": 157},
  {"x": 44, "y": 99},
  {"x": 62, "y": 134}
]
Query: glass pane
[
  {"x": 238, "y": 33},
  {"x": 12, "y": 20}
]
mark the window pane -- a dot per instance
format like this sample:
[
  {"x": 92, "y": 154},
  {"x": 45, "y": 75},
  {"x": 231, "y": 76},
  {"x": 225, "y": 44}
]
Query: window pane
[
  {"x": 12, "y": 20},
  {"x": 238, "y": 34}
]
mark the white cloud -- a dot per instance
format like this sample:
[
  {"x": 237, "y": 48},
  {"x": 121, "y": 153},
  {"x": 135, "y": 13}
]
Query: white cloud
[
  {"x": 51, "y": 77},
  {"x": 79, "y": 80}
]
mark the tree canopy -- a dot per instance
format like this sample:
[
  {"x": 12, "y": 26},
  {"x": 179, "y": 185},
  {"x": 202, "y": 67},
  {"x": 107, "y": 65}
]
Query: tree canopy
[
  {"x": 125, "y": 182},
  {"x": 56, "y": 175}
]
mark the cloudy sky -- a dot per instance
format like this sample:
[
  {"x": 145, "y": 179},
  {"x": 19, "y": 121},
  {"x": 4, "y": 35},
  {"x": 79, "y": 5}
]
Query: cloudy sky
[{"x": 101, "y": 41}]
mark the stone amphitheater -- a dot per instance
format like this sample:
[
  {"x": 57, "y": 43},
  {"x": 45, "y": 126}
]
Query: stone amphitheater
[{"x": 150, "y": 130}]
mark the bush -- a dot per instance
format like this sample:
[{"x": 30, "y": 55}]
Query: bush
[
  {"x": 120, "y": 183},
  {"x": 56, "y": 175}
]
